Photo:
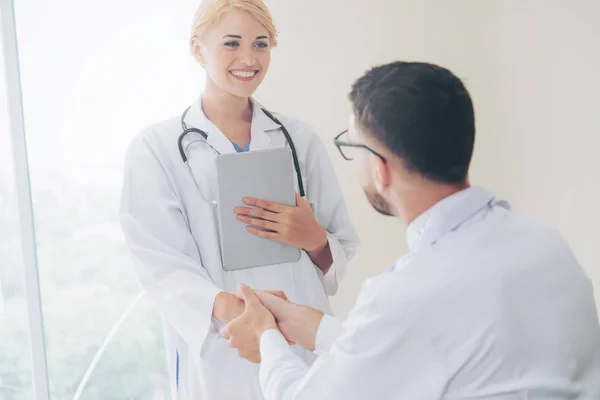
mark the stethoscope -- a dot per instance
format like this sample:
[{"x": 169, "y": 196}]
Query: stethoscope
[{"x": 290, "y": 142}]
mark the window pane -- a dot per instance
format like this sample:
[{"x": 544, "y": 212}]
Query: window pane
[
  {"x": 15, "y": 355},
  {"x": 90, "y": 84},
  {"x": 142, "y": 377}
]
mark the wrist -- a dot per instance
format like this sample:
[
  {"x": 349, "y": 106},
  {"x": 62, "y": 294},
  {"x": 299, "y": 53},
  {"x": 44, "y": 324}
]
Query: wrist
[
  {"x": 321, "y": 256},
  {"x": 321, "y": 244},
  {"x": 264, "y": 324},
  {"x": 312, "y": 319},
  {"x": 303, "y": 326},
  {"x": 265, "y": 327}
]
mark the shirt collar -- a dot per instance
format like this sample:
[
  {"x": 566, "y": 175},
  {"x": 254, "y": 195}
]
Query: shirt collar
[
  {"x": 416, "y": 228},
  {"x": 261, "y": 124},
  {"x": 447, "y": 215}
]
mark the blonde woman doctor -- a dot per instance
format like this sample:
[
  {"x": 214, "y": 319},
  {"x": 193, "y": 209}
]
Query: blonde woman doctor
[{"x": 169, "y": 217}]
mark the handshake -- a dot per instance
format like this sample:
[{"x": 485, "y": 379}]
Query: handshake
[{"x": 264, "y": 310}]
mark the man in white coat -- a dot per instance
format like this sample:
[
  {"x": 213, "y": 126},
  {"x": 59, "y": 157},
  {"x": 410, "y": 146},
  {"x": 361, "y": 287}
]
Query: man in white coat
[{"x": 488, "y": 303}]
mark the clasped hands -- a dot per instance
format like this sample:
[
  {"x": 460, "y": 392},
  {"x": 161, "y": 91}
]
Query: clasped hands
[{"x": 264, "y": 310}]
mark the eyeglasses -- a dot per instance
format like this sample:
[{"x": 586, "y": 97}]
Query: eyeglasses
[{"x": 344, "y": 146}]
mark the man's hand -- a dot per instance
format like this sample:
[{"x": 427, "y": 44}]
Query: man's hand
[
  {"x": 299, "y": 324},
  {"x": 244, "y": 332}
]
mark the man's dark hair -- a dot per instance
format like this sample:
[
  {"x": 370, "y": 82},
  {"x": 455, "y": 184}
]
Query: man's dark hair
[{"x": 422, "y": 113}]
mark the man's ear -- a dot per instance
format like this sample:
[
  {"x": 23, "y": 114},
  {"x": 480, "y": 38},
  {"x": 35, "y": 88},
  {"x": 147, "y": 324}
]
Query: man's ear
[
  {"x": 381, "y": 174},
  {"x": 197, "y": 51}
]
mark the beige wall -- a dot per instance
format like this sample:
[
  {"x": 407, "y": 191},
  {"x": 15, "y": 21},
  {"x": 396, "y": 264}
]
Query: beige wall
[{"x": 532, "y": 67}]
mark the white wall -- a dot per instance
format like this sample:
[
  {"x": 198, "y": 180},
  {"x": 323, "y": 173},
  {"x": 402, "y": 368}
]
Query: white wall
[{"x": 532, "y": 67}]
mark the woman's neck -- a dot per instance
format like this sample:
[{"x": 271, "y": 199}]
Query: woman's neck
[{"x": 222, "y": 107}]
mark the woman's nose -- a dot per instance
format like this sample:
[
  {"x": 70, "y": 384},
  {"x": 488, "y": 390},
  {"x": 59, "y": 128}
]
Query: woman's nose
[{"x": 247, "y": 58}]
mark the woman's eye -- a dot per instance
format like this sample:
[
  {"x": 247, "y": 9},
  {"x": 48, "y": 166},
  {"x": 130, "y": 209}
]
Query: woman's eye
[
  {"x": 262, "y": 45},
  {"x": 232, "y": 44}
]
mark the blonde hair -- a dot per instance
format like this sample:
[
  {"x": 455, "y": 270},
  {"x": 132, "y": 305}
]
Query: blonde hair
[{"x": 210, "y": 12}]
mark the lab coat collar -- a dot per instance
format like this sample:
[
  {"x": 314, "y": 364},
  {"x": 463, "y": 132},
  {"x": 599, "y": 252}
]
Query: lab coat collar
[
  {"x": 196, "y": 118},
  {"x": 447, "y": 215},
  {"x": 260, "y": 118},
  {"x": 261, "y": 124}
]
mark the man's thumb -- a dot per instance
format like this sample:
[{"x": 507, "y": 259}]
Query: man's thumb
[{"x": 248, "y": 295}]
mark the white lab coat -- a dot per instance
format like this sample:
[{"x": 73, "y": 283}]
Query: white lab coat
[
  {"x": 488, "y": 305},
  {"x": 173, "y": 235}
]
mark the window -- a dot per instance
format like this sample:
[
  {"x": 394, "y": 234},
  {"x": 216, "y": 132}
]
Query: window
[
  {"x": 15, "y": 356},
  {"x": 93, "y": 76}
]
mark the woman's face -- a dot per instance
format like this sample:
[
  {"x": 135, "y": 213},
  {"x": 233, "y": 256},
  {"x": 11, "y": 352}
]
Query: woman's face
[{"x": 235, "y": 53}]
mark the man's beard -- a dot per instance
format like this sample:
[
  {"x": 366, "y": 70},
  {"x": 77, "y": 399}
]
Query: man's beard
[{"x": 378, "y": 202}]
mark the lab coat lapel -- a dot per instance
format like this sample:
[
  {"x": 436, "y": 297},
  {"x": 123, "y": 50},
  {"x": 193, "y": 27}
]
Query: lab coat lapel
[
  {"x": 261, "y": 125},
  {"x": 216, "y": 139},
  {"x": 195, "y": 118},
  {"x": 451, "y": 212}
]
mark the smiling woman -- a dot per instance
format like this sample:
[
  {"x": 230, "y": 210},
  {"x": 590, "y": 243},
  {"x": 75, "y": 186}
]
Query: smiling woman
[
  {"x": 232, "y": 41},
  {"x": 169, "y": 216}
]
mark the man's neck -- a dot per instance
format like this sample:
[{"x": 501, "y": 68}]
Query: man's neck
[{"x": 420, "y": 198}]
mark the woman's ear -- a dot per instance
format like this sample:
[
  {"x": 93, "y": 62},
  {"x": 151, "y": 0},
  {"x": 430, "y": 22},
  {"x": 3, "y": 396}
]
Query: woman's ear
[{"x": 197, "y": 51}]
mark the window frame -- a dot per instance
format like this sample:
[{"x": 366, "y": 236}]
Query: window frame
[{"x": 16, "y": 122}]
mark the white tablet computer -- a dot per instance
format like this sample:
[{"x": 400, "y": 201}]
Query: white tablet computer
[{"x": 262, "y": 174}]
